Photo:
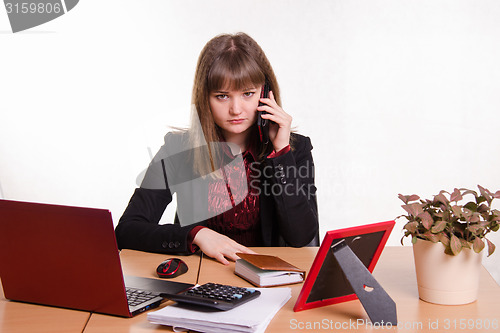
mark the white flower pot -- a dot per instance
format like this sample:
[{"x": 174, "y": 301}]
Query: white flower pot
[{"x": 443, "y": 278}]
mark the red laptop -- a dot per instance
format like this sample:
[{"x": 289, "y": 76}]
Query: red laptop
[{"x": 67, "y": 257}]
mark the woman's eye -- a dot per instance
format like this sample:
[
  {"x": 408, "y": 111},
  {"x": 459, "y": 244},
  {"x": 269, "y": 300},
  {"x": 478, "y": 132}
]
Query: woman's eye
[
  {"x": 222, "y": 97},
  {"x": 249, "y": 93}
]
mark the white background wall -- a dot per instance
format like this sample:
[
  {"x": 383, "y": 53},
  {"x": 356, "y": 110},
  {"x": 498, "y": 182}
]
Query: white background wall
[{"x": 397, "y": 96}]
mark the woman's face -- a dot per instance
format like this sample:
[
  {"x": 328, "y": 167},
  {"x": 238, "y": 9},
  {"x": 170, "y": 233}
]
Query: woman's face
[{"x": 235, "y": 111}]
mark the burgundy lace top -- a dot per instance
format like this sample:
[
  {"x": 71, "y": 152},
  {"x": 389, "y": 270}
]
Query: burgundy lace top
[{"x": 240, "y": 219}]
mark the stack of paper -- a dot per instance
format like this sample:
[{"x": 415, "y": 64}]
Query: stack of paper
[{"x": 253, "y": 316}]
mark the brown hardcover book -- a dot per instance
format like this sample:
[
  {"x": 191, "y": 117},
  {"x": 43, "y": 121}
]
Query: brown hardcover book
[{"x": 264, "y": 270}]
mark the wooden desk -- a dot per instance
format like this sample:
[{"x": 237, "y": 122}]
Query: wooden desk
[
  {"x": 141, "y": 264},
  {"x": 395, "y": 272},
  {"x": 16, "y": 317}
]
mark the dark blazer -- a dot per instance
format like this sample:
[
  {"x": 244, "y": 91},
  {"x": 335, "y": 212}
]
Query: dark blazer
[{"x": 288, "y": 208}]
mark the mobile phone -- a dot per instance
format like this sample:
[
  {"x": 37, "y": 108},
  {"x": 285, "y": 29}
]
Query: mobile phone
[{"x": 262, "y": 123}]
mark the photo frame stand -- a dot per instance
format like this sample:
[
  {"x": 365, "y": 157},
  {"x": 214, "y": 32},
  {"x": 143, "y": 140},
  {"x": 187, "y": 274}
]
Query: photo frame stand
[{"x": 379, "y": 306}]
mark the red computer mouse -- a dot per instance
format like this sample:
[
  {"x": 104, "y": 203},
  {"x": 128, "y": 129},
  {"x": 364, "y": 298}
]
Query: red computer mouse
[{"x": 171, "y": 268}]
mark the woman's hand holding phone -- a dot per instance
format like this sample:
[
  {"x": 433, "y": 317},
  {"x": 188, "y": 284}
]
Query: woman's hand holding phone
[{"x": 280, "y": 122}]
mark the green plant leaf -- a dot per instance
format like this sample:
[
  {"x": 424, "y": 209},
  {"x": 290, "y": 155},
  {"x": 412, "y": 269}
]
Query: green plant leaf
[
  {"x": 411, "y": 227},
  {"x": 443, "y": 238},
  {"x": 491, "y": 247},
  {"x": 447, "y": 216},
  {"x": 478, "y": 245},
  {"x": 438, "y": 226},
  {"x": 497, "y": 195},
  {"x": 431, "y": 237},
  {"x": 483, "y": 208},
  {"x": 413, "y": 197},
  {"x": 426, "y": 219},
  {"x": 455, "y": 244},
  {"x": 465, "y": 244},
  {"x": 486, "y": 217},
  {"x": 457, "y": 211},
  {"x": 466, "y": 191},
  {"x": 441, "y": 198},
  {"x": 408, "y": 198},
  {"x": 475, "y": 218},
  {"x": 456, "y": 195},
  {"x": 414, "y": 239},
  {"x": 458, "y": 229},
  {"x": 472, "y": 206},
  {"x": 476, "y": 229},
  {"x": 485, "y": 223},
  {"x": 448, "y": 251},
  {"x": 480, "y": 199},
  {"x": 403, "y": 198},
  {"x": 413, "y": 209},
  {"x": 485, "y": 193},
  {"x": 466, "y": 213}
]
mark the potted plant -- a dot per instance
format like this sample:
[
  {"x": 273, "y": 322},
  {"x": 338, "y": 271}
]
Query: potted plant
[{"x": 448, "y": 237}]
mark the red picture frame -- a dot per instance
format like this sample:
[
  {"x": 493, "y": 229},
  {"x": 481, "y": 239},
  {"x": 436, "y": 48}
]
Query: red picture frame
[{"x": 366, "y": 241}]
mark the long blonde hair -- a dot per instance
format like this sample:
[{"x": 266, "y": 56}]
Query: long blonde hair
[{"x": 228, "y": 60}]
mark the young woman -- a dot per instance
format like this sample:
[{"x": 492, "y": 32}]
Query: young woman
[{"x": 233, "y": 189}]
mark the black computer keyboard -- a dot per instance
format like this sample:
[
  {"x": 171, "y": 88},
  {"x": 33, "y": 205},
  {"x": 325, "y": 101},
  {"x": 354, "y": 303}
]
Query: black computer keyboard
[{"x": 214, "y": 295}]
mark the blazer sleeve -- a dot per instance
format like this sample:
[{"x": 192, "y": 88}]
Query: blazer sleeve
[
  {"x": 294, "y": 192},
  {"x": 139, "y": 227}
]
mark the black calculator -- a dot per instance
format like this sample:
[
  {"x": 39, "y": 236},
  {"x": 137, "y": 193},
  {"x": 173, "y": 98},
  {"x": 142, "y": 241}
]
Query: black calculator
[{"x": 214, "y": 295}]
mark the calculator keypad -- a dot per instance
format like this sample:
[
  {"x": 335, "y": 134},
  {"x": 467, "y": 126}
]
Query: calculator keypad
[
  {"x": 220, "y": 292},
  {"x": 215, "y": 295}
]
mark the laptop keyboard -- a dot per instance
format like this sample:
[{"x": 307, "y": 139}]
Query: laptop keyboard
[{"x": 138, "y": 296}]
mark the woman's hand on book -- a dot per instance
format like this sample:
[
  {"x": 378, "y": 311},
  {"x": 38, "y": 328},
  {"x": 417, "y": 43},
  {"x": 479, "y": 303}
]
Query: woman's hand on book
[{"x": 219, "y": 246}]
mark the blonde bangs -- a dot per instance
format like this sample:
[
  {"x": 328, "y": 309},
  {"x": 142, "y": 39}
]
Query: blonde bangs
[{"x": 234, "y": 70}]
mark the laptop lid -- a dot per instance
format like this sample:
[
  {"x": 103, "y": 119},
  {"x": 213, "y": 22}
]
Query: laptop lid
[
  {"x": 326, "y": 283},
  {"x": 63, "y": 256}
]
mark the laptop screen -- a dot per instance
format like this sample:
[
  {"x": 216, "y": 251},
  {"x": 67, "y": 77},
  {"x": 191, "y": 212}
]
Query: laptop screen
[{"x": 61, "y": 256}]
